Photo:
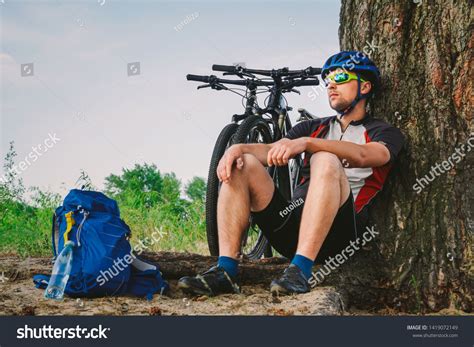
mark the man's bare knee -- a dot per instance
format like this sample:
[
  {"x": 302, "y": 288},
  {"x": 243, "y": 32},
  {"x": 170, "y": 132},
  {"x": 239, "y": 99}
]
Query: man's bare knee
[
  {"x": 251, "y": 165},
  {"x": 260, "y": 183},
  {"x": 326, "y": 164},
  {"x": 251, "y": 162}
]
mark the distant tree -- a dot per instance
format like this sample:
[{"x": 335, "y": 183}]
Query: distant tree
[
  {"x": 144, "y": 182},
  {"x": 196, "y": 189},
  {"x": 143, "y": 178},
  {"x": 171, "y": 188}
]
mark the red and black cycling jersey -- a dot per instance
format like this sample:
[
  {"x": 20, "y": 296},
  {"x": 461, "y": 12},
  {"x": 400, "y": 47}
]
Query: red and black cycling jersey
[{"x": 365, "y": 182}]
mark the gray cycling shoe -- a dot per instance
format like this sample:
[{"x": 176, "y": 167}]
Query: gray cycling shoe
[
  {"x": 291, "y": 282},
  {"x": 213, "y": 282}
]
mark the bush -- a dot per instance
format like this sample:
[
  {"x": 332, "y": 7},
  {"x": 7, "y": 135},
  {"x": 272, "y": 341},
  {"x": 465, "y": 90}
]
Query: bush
[{"x": 148, "y": 200}]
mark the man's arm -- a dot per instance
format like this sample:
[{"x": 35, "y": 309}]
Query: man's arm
[
  {"x": 259, "y": 150},
  {"x": 233, "y": 155},
  {"x": 351, "y": 154},
  {"x": 372, "y": 154}
]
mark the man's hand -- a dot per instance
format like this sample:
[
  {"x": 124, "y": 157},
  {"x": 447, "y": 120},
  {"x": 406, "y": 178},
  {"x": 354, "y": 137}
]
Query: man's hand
[
  {"x": 285, "y": 149},
  {"x": 232, "y": 154}
]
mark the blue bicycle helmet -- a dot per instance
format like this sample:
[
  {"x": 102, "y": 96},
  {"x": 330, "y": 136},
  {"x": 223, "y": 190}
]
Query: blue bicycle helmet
[{"x": 356, "y": 62}]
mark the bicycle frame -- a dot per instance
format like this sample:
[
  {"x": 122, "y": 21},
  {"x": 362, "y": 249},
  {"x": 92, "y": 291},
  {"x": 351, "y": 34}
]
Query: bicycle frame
[
  {"x": 276, "y": 108},
  {"x": 281, "y": 122}
]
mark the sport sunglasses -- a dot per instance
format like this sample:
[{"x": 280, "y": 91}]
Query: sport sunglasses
[{"x": 341, "y": 77}]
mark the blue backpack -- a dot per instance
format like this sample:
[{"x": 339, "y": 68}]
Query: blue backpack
[{"x": 103, "y": 263}]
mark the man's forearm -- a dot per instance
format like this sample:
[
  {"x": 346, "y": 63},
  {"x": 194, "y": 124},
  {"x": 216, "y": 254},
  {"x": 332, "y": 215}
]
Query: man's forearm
[
  {"x": 259, "y": 150},
  {"x": 349, "y": 153}
]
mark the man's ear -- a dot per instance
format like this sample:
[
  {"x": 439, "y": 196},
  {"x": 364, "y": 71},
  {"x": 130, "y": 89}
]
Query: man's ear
[{"x": 365, "y": 87}]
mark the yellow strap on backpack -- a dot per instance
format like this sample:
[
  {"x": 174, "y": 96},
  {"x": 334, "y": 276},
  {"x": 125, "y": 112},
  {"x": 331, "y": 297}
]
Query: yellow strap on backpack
[{"x": 69, "y": 223}]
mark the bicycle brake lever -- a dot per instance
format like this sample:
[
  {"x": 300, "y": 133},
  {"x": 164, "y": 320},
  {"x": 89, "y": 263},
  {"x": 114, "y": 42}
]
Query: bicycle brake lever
[
  {"x": 203, "y": 86},
  {"x": 218, "y": 86},
  {"x": 295, "y": 91}
]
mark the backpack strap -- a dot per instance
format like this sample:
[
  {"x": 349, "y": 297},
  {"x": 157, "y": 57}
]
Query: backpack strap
[
  {"x": 69, "y": 224},
  {"x": 85, "y": 213},
  {"x": 53, "y": 236}
]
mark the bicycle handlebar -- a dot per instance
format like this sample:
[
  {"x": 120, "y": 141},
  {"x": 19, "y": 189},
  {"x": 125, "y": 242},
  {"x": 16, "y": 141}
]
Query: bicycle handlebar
[
  {"x": 314, "y": 70},
  {"x": 305, "y": 83},
  {"x": 204, "y": 79},
  {"x": 215, "y": 79},
  {"x": 287, "y": 84},
  {"x": 309, "y": 71},
  {"x": 224, "y": 68}
]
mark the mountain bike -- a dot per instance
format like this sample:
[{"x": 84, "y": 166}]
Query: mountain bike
[{"x": 257, "y": 124}]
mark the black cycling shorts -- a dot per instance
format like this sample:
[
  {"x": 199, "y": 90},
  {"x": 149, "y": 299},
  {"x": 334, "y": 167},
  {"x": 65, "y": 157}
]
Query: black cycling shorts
[{"x": 280, "y": 222}]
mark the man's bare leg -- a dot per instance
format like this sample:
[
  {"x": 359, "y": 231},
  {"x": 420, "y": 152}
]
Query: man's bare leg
[
  {"x": 328, "y": 190},
  {"x": 250, "y": 189}
]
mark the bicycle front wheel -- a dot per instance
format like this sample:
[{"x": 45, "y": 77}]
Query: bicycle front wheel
[
  {"x": 254, "y": 129},
  {"x": 223, "y": 142}
]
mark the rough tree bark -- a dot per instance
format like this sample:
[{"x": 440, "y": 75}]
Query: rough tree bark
[{"x": 422, "y": 260}]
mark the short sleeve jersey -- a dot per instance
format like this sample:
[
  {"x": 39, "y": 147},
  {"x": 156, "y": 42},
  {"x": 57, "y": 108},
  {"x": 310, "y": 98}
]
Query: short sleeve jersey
[{"x": 365, "y": 182}]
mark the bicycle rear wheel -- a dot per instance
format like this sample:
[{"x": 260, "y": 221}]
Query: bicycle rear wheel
[{"x": 222, "y": 143}]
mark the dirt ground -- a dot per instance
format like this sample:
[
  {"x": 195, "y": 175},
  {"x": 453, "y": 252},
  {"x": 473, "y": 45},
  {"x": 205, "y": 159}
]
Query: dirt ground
[{"x": 18, "y": 296}]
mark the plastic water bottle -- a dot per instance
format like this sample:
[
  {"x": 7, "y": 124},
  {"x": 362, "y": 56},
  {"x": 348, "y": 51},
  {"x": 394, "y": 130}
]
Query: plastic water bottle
[{"x": 61, "y": 272}]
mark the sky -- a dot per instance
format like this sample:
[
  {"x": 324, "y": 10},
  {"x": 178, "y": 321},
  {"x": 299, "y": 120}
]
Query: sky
[{"x": 70, "y": 101}]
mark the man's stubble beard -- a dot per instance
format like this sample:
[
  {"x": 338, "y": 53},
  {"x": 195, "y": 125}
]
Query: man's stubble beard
[{"x": 340, "y": 105}]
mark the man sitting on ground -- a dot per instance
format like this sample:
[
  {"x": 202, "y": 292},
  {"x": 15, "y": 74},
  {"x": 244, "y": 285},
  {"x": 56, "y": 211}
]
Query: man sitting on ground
[{"x": 347, "y": 159}]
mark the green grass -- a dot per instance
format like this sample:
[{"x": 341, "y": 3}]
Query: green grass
[
  {"x": 148, "y": 201},
  {"x": 184, "y": 232},
  {"x": 25, "y": 228}
]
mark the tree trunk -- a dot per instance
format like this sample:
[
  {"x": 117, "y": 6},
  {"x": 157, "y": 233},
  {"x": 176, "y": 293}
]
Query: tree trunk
[
  {"x": 176, "y": 265},
  {"x": 173, "y": 265},
  {"x": 422, "y": 259}
]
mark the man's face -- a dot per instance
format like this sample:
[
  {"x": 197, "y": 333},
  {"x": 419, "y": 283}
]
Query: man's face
[{"x": 341, "y": 95}]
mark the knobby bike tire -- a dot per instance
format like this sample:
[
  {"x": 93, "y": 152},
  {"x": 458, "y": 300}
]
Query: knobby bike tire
[
  {"x": 223, "y": 141},
  {"x": 255, "y": 123}
]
